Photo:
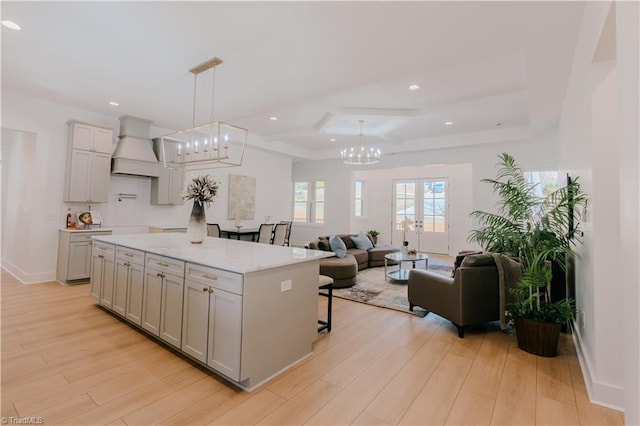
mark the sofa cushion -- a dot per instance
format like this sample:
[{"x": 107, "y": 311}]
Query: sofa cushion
[
  {"x": 460, "y": 257},
  {"x": 324, "y": 245},
  {"x": 338, "y": 246},
  {"x": 376, "y": 255},
  {"x": 362, "y": 257},
  {"x": 342, "y": 270},
  {"x": 348, "y": 242},
  {"x": 484, "y": 259},
  {"x": 362, "y": 242}
]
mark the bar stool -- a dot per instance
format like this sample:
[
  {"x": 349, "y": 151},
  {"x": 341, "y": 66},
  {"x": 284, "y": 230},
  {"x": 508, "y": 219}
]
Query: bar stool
[{"x": 326, "y": 283}]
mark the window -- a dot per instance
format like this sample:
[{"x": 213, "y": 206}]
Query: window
[
  {"x": 308, "y": 202},
  {"x": 359, "y": 208}
]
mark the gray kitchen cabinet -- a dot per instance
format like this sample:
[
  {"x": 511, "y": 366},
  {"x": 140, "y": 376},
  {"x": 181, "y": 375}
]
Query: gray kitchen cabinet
[
  {"x": 102, "y": 273},
  {"x": 167, "y": 188},
  {"x": 162, "y": 297},
  {"x": 129, "y": 273},
  {"x": 212, "y": 318},
  {"x": 88, "y": 163},
  {"x": 74, "y": 255}
]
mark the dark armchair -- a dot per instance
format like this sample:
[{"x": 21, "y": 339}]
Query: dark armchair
[{"x": 470, "y": 297}]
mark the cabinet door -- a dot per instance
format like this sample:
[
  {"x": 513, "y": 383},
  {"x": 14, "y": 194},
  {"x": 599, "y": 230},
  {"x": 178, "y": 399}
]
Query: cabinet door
[
  {"x": 195, "y": 320},
  {"x": 96, "y": 275},
  {"x": 102, "y": 140},
  {"x": 82, "y": 137},
  {"x": 176, "y": 187},
  {"x": 225, "y": 333},
  {"x": 108, "y": 280},
  {"x": 151, "y": 301},
  {"x": 100, "y": 175},
  {"x": 79, "y": 260},
  {"x": 120, "y": 287},
  {"x": 134, "y": 293},
  {"x": 171, "y": 311},
  {"x": 79, "y": 175}
]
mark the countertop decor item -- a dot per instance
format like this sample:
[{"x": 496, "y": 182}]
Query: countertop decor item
[{"x": 202, "y": 190}]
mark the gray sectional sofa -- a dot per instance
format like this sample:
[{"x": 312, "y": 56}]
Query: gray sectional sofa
[{"x": 344, "y": 270}]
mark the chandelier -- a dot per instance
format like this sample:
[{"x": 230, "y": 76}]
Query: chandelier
[
  {"x": 207, "y": 145},
  {"x": 360, "y": 154}
]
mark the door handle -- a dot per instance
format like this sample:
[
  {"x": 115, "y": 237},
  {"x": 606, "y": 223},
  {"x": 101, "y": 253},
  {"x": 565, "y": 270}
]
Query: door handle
[{"x": 160, "y": 274}]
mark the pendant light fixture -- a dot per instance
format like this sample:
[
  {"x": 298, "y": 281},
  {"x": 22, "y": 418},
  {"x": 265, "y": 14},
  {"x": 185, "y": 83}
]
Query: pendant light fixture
[
  {"x": 209, "y": 145},
  {"x": 360, "y": 154}
]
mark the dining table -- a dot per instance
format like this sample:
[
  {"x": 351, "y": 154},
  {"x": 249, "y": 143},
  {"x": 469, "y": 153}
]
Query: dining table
[{"x": 240, "y": 232}]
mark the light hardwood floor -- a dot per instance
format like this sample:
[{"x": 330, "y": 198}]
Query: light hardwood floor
[{"x": 69, "y": 362}]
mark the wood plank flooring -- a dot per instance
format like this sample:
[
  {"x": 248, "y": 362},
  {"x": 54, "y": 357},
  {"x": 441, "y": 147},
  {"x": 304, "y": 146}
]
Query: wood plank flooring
[{"x": 70, "y": 363}]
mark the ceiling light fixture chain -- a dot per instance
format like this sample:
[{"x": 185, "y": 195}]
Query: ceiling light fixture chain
[{"x": 210, "y": 145}]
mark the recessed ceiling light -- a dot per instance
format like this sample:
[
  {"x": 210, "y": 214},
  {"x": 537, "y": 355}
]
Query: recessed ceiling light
[
  {"x": 273, "y": 118},
  {"x": 449, "y": 123},
  {"x": 498, "y": 124},
  {"x": 414, "y": 87},
  {"x": 11, "y": 25},
  {"x": 332, "y": 140},
  {"x": 112, "y": 103}
]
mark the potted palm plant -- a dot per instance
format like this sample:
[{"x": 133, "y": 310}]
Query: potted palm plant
[{"x": 539, "y": 230}]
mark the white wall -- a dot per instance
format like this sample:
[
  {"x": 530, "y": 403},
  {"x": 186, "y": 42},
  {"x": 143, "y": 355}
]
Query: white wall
[
  {"x": 465, "y": 165},
  {"x": 599, "y": 142},
  {"x": 31, "y": 253}
]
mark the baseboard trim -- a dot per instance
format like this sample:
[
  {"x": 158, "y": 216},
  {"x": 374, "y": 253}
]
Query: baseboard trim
[
  {"x": 26, "y": 278},
  {"x": 600, "y": 393}
]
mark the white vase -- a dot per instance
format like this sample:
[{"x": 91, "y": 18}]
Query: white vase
[{"x": 197, "y": 228}]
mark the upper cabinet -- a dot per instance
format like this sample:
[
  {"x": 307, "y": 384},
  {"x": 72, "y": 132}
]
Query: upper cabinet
[
  {"x": 91, "y": 138},
  {"x": 88, "y": 163},
  {"x": 167, "y": 187}
]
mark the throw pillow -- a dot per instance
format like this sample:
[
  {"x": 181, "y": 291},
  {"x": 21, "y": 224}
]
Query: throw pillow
[
  {"x": 460, "y": 257},
  {"x": 338, "y": 246},
  {"x": 362, "y": 242},
  {"x": 324, "y": 245}
]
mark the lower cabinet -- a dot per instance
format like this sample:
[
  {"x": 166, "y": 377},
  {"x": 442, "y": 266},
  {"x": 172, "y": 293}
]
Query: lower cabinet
[
  {"x": 129, "y": 273},
  {"x": 196, "y": 309},
  {"x": 102, "y": 273},
  {"x": 74, "y": 255},
  {"x": 162, "y": 298},
  {"x": 212, "y": 319}
]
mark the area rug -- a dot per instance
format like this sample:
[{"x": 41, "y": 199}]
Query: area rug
[{"x": 372, "y": 288}]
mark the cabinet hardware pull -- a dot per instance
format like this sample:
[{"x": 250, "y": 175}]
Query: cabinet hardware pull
[
  {"x": 210, "y": 290},
  {"x": 162, "y": 264},
  {"x": 127, "y": 264},
  {"x": 128, "y": 254},
  {"x": 101, "y": 256},
  {"x": 160, "y": 274},
  {"x": 205, "y": 289},
  {"x": 210, "y": 277}
]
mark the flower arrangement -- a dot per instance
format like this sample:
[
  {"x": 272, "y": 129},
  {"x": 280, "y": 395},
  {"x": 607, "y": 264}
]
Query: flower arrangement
[{"x": 202, "y": 189}]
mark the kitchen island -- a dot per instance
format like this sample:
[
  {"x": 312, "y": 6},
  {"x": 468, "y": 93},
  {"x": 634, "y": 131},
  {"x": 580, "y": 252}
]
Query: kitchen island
[{"x": 245, "y": 310}]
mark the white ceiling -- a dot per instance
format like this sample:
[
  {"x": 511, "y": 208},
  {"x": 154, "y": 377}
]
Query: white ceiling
[{"x": 498, "y": 70}]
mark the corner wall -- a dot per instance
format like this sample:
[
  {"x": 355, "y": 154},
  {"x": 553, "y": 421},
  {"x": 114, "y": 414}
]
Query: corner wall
[{"x": 599, "y": 142}]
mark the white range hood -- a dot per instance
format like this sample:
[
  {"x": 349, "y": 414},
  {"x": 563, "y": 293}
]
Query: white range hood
[{"x": 134, "y": 154}]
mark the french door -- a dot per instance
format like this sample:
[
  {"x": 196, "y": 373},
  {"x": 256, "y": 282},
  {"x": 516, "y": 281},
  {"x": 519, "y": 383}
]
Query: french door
[{"x": 420, "y": 214}]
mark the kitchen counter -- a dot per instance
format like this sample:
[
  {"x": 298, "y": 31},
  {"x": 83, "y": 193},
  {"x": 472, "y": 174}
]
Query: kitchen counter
[
  {"x": 244, "y": 310},
  {"x": 221, "y": 253}
]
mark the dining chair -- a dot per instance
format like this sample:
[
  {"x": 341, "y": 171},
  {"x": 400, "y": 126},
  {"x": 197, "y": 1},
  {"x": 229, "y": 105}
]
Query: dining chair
[
  {"x": 213, "y": 230},
  {"x": 279, "y": 234},
  {"x": 265, "y": 233},
  {"x": 286, "y": 237}
]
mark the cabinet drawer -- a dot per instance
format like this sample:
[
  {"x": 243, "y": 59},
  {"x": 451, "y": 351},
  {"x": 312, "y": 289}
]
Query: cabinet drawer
[
  {"x": 79, "y": 237},
  {"x": 164, "y": 264},
  {"x": 215, "y": 278},
  {"x": 107, "y": 250},
  {"x": 131, "y": 255}
]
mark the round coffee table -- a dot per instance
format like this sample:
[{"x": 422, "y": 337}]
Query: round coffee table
[{"x": 402, "y": 275}]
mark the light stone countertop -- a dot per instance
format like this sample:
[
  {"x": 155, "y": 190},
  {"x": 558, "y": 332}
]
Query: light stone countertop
[{"x": 229, "y": 255}]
